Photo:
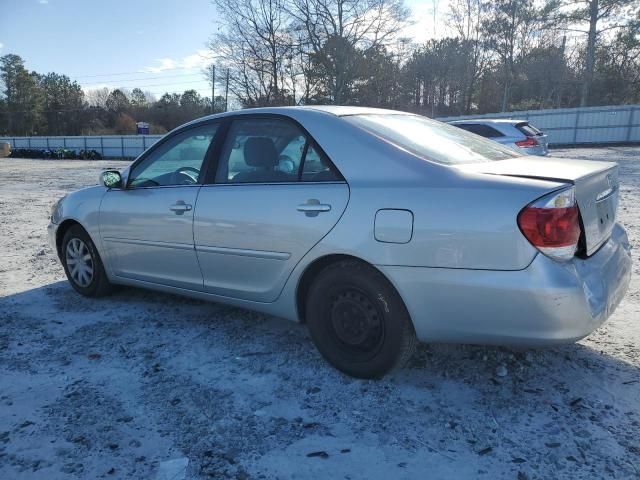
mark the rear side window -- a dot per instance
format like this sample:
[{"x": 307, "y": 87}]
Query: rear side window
[
  {"x": 271, "y": 150},
  {"x": 480, "y": 129},
  {"x": 432, "y": 140},
  {"x": 318, "y": 168},
  {"x": 528, "y": 129}
]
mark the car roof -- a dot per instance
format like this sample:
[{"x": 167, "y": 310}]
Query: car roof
[{"x": 334, "y": 110}]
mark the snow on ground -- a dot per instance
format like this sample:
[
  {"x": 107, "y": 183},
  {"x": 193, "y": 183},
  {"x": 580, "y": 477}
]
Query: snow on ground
[{"x": 146, "y": 385}]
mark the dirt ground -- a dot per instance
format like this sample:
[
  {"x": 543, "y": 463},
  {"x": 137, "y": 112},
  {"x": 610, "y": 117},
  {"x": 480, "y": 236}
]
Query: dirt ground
[{"x": 146, "y": 385}]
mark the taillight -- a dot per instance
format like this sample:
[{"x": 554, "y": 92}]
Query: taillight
[
  {"x": 529, "y": 142},
  {"x": 552, "y": 224}
]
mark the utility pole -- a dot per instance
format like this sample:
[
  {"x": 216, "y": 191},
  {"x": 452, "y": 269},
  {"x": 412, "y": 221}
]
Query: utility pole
[
  {"x": 213, "y": 88},
  {"x": 226, "y": 93}
]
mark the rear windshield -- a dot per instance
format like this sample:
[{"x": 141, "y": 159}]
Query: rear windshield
[
  {"x": 432, "y": 140},
  {"x": 528, "y": 129}
]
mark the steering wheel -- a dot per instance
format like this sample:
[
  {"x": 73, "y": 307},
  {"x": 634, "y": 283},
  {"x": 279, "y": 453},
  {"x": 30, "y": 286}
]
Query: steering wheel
[
  {"x": 189, "y": 176},
  {"x": 285, "y": 164}
]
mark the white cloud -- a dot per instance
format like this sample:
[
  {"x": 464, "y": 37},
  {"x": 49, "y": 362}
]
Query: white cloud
[
  {"x": 1, "y": 45},
  {"x": 43, "y": 2},
  {"x": 194, "y": 61}
]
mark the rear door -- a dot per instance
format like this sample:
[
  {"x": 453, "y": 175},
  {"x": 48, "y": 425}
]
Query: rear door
[
  {"x": 275, "y": 195},
  {"x": 147, "y": 227}
]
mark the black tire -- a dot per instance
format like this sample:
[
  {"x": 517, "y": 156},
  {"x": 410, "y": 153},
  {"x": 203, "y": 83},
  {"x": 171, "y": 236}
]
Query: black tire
[
  {"x": 98, "y": 284},
  {"x": 358, "y": 321}
]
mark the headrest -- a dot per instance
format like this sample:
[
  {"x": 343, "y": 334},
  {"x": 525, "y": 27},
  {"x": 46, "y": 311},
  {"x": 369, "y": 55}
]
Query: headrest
[{"x": 260, "y": 152}]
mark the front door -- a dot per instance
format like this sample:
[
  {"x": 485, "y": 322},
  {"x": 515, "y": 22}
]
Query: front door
[
  {"x": 147, "y": 227},
  {"x": 275, "y": 196}
]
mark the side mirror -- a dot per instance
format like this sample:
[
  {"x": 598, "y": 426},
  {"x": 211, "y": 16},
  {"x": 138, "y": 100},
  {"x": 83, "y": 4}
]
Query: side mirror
[{"x": 111, "y": 179}]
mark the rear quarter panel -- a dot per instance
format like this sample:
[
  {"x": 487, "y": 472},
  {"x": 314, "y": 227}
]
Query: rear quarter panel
[{"x": 461, "y": 219}]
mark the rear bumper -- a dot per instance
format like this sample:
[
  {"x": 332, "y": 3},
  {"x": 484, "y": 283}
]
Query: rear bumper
[{"x": 546, "y": 303}]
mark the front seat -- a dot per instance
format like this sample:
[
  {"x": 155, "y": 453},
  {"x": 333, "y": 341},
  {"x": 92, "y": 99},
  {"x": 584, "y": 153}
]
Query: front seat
[{"x": 261, "y": 153}]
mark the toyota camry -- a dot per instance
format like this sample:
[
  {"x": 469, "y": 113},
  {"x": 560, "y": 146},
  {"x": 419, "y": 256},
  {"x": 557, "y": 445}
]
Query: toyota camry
[{"x": 375, "y": 228}]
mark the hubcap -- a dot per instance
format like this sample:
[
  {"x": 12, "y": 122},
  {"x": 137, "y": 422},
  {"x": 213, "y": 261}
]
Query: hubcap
[
  {"x": 79, "y": 262},
  {"x": 355, "y": 320}
]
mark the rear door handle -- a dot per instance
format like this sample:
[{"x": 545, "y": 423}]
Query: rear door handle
[
  {"x": 180, "y": 207},
  {"x": 313, "y": 207}
]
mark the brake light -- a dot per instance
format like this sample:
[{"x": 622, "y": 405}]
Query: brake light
[
  {"x": 552, "y": 224},
  {"x": 528, "y": 143}
]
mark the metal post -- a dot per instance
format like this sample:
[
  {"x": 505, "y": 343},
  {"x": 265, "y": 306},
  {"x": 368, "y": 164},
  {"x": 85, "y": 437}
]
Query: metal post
[
  {"x": 48, "y": 144},
  {"x": 575, "y": 126},
  {"x": 101, "y": 147},
  {"x": 28, "y": 142},
  {"x": 630, "y": 127},
  {"x": 144, "y": 143},
  {"x": 122, "y": 146},
  {"x": 85, "y": 143},
  {"x": 213, "y": 88}
]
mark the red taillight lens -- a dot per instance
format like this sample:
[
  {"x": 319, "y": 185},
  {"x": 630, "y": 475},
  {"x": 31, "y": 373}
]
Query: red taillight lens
[
  {"x": 529, "y": 142},
  {"x": 552, "y": 224}
]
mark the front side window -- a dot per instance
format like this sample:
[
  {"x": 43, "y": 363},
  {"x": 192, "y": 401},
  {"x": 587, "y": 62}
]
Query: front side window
[
  {"x": 270, "y": 150},
  {"x": 432, "y": 140},
  {"x": 178, "y": 161}
]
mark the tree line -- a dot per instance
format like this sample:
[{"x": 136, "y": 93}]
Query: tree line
[
  {"x": 499, "y": 55},
  {"x": 53, "y": 104}
]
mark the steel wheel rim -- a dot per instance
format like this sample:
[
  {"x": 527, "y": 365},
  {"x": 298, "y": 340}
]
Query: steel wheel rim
[
  {"x": 79, "y": 262},
  {"x": 356, "y": 322}
]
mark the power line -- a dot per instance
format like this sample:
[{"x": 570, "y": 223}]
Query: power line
[
  {"x": 161, "y": 84},
  {"x": 160, "y": 69},
  {"x": 143, "y": 79}
]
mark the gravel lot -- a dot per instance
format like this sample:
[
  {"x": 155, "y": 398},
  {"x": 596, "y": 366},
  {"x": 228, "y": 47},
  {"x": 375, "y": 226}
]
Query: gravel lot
[{"x": 146, "y": 385}]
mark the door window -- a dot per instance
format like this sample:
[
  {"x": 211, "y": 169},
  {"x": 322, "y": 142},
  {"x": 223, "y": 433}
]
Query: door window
[
  {"x": 178, "y": 161},
  {"x": 261, "y": 150},
  {"x": 270, "y": 150}
]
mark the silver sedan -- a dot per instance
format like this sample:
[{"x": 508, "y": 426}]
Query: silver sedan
[{"x": 376, "y": 228}]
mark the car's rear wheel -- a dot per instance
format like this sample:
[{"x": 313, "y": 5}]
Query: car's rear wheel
[
  {"x": 82, "y": 263},
  {"x": 358, "y": 321}
]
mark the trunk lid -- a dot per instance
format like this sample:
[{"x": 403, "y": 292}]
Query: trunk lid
[{"x": 596, "y": 185}]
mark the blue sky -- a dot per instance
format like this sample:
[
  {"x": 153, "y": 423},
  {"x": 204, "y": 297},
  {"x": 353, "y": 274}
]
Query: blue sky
[{"x": 157, "y": 45}]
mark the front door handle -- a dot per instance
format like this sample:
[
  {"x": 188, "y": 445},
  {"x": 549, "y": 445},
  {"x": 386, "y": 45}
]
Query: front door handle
[
  {"x": 313, "y": 207},
  {"x": 180, "y": 207}
]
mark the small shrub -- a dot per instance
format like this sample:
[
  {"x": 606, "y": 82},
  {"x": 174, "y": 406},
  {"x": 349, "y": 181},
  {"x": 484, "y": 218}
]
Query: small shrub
[{"x": 58, "y": 153}]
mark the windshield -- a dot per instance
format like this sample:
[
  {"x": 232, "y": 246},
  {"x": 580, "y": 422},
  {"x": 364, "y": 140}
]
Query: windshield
[{"x": 432, "y": 140}]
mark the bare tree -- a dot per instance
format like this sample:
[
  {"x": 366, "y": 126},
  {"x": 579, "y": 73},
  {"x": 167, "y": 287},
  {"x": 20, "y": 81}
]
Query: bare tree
[
  {"x": 509, "y": 29},
  {"x": 339, "y": 32},
  {"x": 465, "y": 17},
  {"x": 97, "y": 97},
  {"x": 254, "y": 44},
  {"x": 591, "y": 18}
]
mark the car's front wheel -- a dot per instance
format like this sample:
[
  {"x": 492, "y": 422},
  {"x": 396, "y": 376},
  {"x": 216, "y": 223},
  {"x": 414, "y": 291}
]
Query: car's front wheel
[
  {"x": 82, "y": 263},
  {"x": 358, "y": 320}
]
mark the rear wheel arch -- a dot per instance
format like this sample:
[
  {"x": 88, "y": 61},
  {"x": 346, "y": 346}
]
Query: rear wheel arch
[{"x": 318, "y": 265}]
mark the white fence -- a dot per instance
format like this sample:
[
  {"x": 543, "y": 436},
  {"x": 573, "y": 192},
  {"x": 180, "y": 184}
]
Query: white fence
[
  {"x": 109, "y": 146},
  {"x": 565, "y": 126},
  {"x": 579, "y": 126}
]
